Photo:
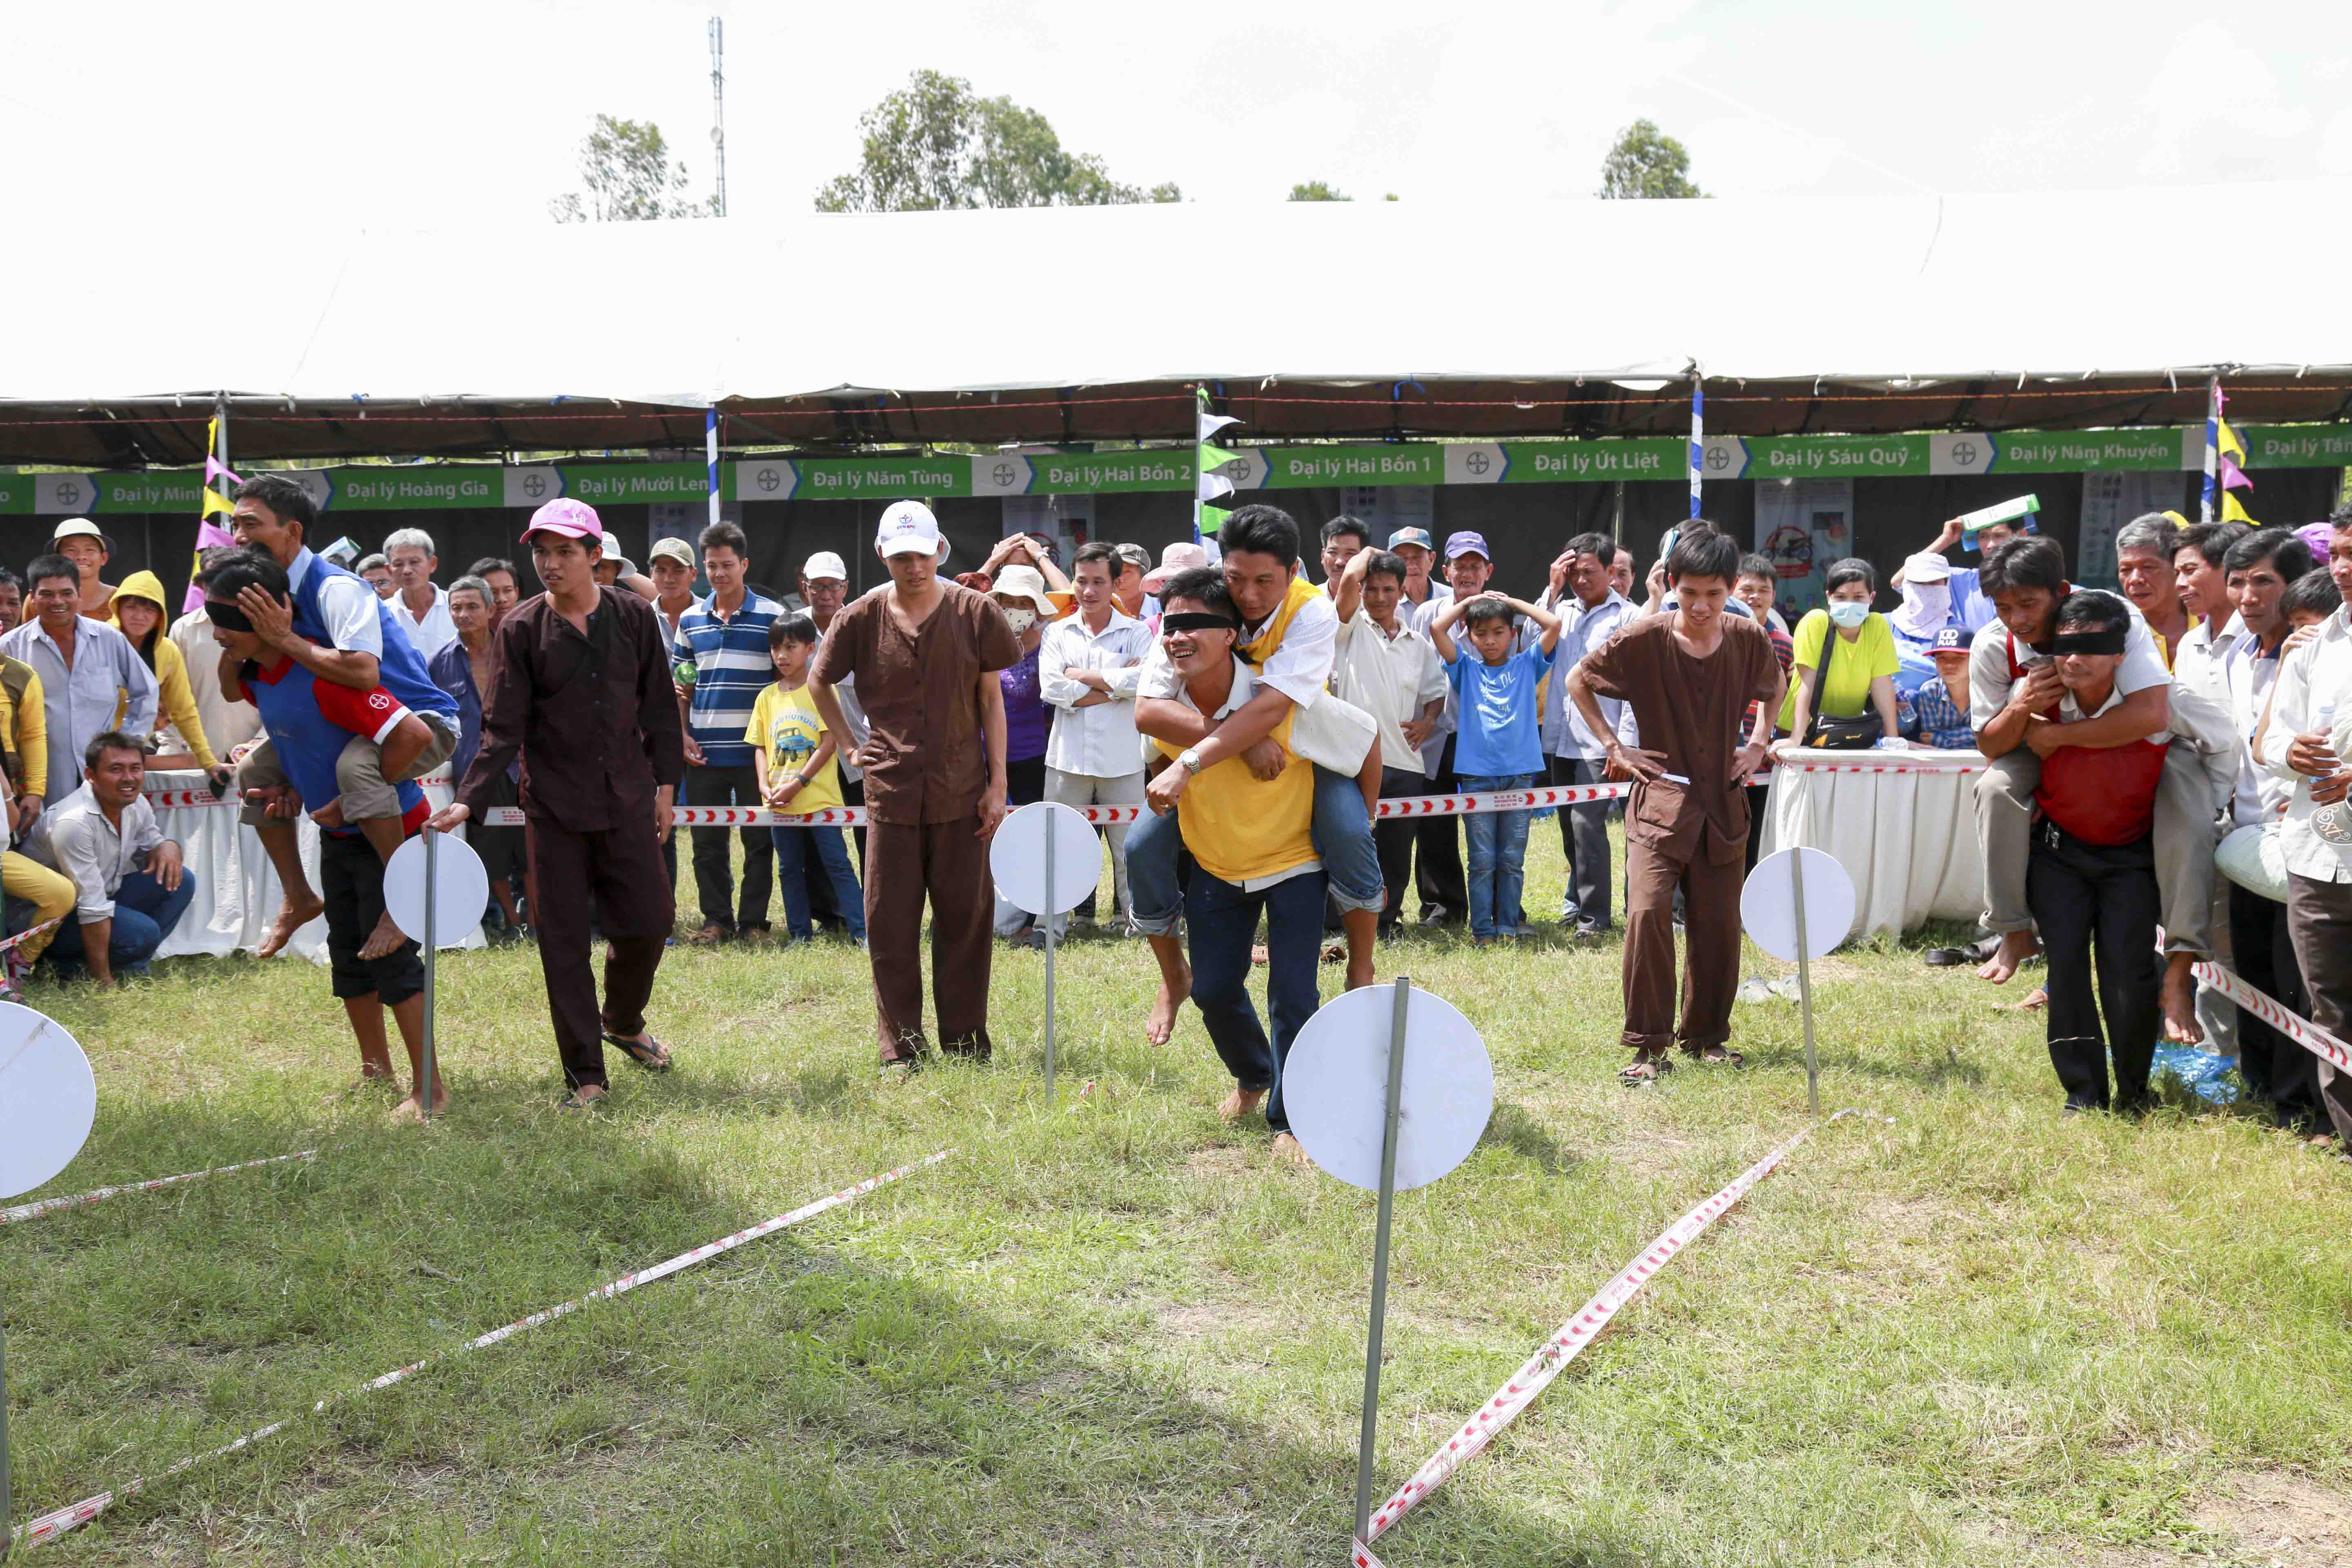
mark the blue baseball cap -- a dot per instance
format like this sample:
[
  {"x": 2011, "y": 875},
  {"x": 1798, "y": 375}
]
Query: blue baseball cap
[
  {"x": 1410, "y": 536},
  {"x": 1951, "y": 639},
  {"x": 1467, "y": 543}
]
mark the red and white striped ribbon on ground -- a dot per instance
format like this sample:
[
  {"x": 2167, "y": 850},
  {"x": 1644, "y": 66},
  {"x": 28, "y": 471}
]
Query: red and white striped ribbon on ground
[
  {"x": 25, "y": 936},
  {"x": 50, "y": 1526},
  {"x": 854, "y": 816},
  {"x": 2301, "y": 1031},
  {"x": 50, "y": 1206},
  {"x": 1564, "y": 1346}
]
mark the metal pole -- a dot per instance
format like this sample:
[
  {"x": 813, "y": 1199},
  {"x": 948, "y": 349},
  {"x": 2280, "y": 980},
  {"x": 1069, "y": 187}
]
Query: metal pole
[
  {"x": 1381, "y": 1259},
  {"x": 1805, "y": 978},
  {"x": 7, "y": 1505},
  {"x": 425, "y": 1104},
  {"x": 1048, "y": 917}
]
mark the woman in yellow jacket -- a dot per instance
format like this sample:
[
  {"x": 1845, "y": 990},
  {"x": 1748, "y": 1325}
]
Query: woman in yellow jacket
[{"x": 138, "y": 613}]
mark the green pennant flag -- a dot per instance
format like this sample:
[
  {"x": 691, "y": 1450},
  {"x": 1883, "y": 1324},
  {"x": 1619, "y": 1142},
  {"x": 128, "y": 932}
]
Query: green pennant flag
[{"x": 1209, "y": 485}]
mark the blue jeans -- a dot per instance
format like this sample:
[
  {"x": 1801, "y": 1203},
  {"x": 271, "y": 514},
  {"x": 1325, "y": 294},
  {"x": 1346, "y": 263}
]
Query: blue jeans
[
  {"x": 1222, "y": 918},
  {"x": 144, "y": 915},
  {"x": 792, "y": 845},
  {"x": 1498, "y": 854},
  {"x": 1343, "y": 842}
]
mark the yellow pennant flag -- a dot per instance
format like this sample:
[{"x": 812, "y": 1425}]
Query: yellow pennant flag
[
  {"x": 2232, "y": 513},
  {"x": 2229, "y": 443}
]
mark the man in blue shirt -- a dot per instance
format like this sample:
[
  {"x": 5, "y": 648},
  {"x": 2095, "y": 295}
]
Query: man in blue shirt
[{"x": 722, "y": 666}]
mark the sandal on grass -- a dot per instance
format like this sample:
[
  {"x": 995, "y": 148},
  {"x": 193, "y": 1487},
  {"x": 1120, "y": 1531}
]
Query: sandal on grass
[
  {"x": 1716, "y": 1056},
  {"x": 1644, "y": 1070},
  {"x": 575, "y": 1100},
  {"x": 653, "y": 1057}
]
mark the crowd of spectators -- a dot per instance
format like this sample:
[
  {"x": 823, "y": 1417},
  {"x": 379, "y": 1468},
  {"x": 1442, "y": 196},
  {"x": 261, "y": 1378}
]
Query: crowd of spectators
[{"x": 2137, "y": 742}]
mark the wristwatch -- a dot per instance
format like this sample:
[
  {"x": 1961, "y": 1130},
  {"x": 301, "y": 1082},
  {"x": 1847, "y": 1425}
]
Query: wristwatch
[{"x": 1191, "y": 759}]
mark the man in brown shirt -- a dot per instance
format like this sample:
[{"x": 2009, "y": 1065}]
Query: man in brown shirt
[
  {"x": 925, "y": 652},
  {"x": 1690, "y": 674},
  {"x": 582, "y": 690}
]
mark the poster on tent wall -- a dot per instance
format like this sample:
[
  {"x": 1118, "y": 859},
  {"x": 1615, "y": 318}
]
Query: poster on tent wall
[
  {"x": 1067, "y": 520},
  {"x": 2109, "y": 501},
  {"x": 1801, "y": 526}
]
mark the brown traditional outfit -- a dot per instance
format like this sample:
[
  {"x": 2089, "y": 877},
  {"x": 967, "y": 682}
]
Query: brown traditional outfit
[
  {"x": 596, "y": 720},
  {"x": 920, "y": 690},
  {"x": 1688, "y": 828}
]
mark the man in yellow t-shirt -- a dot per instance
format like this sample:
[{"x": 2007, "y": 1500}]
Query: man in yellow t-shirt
[
  {"x": 794, "y": 759},
  {"x": 1253, "y": 845}
]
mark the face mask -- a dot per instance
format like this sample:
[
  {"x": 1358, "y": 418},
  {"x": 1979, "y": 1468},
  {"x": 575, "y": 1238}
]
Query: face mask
[
  {"x": 1020, "y": 620},
  {"x": 1849, "y": 613}
]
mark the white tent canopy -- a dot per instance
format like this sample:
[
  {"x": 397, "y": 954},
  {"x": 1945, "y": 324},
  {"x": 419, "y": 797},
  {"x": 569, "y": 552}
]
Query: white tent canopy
[{"x": 1884, "y": 292}]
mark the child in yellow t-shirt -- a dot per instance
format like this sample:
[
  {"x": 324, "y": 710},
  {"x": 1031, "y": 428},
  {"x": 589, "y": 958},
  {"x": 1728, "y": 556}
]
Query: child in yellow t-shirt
[{"x": 792, "y": 756}]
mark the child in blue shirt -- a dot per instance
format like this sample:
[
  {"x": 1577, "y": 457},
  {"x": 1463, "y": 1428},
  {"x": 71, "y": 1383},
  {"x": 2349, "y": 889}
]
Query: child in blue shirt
[{"x": 1498, "y": 740}]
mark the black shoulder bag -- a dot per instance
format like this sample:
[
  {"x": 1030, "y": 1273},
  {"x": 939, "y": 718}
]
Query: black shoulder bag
[{"x": 1822, "y": 733}]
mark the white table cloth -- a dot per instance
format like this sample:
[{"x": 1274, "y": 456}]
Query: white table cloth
[
  {"x": 237, "y": 891},
  {"x": 1899, "y": 822}
]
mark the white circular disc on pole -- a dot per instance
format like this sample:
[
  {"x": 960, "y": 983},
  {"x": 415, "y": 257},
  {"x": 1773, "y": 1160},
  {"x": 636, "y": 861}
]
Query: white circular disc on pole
[
  {"x": 461, "y": 889},
  {"x": 1768, "y": 904},
  {"x": 48, "y": 1098},
  {"x": 1334, "y": 1087},
  {"x": 1016, "y": 858}
]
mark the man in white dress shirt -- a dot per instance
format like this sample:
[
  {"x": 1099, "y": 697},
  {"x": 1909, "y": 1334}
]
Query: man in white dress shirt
[
  {"x": 2306, "y": 744},
  {"x": 1087, "y": 666},
  {"x": 419, "y": 605}
]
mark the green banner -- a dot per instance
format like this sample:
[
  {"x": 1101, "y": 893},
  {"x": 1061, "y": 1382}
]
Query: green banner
[
  {"x": 439, "y": 487},
  {"x": 1103, "y": 473},
  {"x": 422, "y": 488},
  {"x": 1300, "y": 468}
]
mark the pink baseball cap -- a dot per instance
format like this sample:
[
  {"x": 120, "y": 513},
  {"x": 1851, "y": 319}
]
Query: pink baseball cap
[{"x": 571, "y": 519}]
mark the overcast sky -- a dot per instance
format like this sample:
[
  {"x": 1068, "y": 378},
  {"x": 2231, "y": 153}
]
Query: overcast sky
[{"x": 435, "y": 114}]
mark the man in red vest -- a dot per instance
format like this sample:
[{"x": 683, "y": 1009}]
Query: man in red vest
[{"x": 2090, "y": 877}]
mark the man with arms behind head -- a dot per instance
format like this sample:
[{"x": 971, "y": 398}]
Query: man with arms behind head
[{"x": 1591, "y": 613}]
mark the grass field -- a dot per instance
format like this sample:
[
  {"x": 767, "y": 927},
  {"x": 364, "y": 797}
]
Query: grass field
[{"x": 1111, "y": 1332}]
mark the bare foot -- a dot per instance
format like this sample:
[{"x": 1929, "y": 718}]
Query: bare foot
[
  {"x": 2015, "y": 948},
  {"x": 1161, "y": 1026},
  {"x": 407, "y": 1109},
  {"x": 1240, "y": 1103},
  {"x": 330, "y": 814},
  {"x": 292, "y": 916},
  {"x": 2180, "y": 997},
  {"x": 384, "y": 940},
  {"x": 1286, "y": 1150}
]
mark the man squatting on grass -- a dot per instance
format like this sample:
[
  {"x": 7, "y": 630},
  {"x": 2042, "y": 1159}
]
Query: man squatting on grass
[
  {"x": 311, "y": 722},
  {"x": 581, "y": 692},
  {"x": 1251, "y": 838},
  {"x": 1291, "y": 632},
  {"x": 335, "y": 628},
  {"x": 1690, "y": 674},
  {"x": 2011, "y": 686}
]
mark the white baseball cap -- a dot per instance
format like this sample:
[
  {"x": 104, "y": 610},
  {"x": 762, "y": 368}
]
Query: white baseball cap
[
  {"x": 676, "y": 550},
  {"x": 613, "y": 552},
  {"x": 908, "y": 527},
  {"x": 1927, "y": 567},
  {"x": 826, "y": 564}
]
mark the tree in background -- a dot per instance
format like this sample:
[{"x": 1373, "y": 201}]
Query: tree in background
[
  {"x": 625, "y": 166},
  {"x": 933, "y": 143},
  {"x": 1646, "y": 162},
  {"x": 1318, "y": 191}
]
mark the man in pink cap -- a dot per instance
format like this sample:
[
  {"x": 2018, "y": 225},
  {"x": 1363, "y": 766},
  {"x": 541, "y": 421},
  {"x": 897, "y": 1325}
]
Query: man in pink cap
[{"x": 581, "y": 692}]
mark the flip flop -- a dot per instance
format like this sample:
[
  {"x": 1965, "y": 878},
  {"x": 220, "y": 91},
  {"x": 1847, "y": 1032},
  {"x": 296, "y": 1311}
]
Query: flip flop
[
  {"x": 653, "y": 1057},
  {"x": 1648, "y": 1071},
  {"x": 1718, "y": 1056}
]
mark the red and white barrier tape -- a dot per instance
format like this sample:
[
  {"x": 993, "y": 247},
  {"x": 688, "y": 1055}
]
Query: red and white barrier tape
[
  {"x": 1564, "y": 1346},
  {"x": 183, "y": 799},
  {"x": 2301, "y": 1031},
  {"x": 854, "y": 816},
  {"x": 25, "y": 936},
  {"x": 50, "y": 1206},
  {"x": 50, "y": 1526},
  {"x": 1819, "y": 762}
]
